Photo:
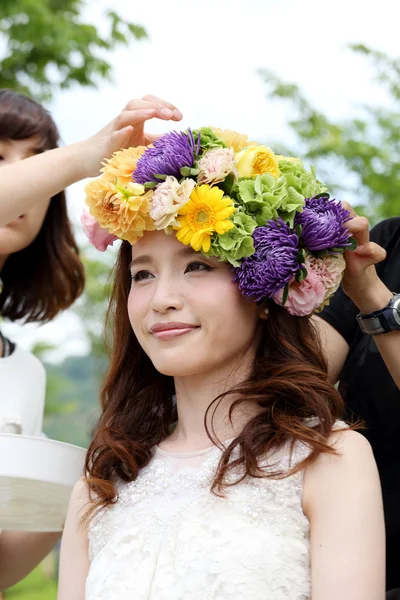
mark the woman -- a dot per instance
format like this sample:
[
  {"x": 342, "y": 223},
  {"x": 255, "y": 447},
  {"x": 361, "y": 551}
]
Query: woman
[
  {"x": 40, "y": 269},
  {"x": 219, "y": 468}
]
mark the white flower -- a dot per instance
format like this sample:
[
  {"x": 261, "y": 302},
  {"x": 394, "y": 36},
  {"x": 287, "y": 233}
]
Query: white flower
[
  {"x": 169, "y": 196},
  {"x": 216, "y": 165}
]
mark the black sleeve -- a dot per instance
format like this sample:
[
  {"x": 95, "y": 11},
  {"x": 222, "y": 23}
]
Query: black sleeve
[
  {"x": 386, "y": 232},
  {"x": 341, "y": 312}
]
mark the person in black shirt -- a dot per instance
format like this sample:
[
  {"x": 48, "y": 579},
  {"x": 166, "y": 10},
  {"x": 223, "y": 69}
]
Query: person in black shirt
[{"x": 368, "y": 368}]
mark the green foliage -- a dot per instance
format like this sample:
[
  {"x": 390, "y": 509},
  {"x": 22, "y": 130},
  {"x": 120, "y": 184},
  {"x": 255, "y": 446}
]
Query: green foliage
[
  {"x": 79, "y": 379},
  {"x": 92, "y": 307},
  {"x": 50, "y": 45},
  {"x": 37, "y": 586},
  {"x": 365, "y": 146},
  {"x": 237, "y": 243}
]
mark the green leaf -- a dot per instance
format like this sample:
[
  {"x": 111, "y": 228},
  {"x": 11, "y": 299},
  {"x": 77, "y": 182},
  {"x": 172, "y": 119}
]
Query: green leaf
[
  {"x": 298, "y": 229},
  {"x": 55, "y": 47},
  {"x": 285, "y": 294},
  {"x": 353, "y": 243}
]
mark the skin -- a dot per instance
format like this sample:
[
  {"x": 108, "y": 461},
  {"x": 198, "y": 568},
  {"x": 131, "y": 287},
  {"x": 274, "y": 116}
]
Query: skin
[
  {"x": 20, "y": 232},
  {"x": 341, "y": 496},
  {"x": 20, "y": 552},
  {"x": 171, "y": 282},
  {"x": 48, "y": 174},
  {"x": 362, "y": 284},
  {"x": 53, "y": 171}
]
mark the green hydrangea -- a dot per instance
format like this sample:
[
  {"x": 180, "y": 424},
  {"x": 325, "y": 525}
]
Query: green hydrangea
[
  {"x": 237, "y": 243},
  {"x": 208, "y": 139},
  {"x": 299, "y": 179},
  {"x": 264, "y": 197}
]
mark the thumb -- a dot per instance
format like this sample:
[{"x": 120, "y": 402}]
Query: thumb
[{"x": 120, "y": 139}]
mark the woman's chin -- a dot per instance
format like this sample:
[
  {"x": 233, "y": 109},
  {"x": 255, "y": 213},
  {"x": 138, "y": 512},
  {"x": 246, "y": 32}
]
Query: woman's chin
[{"x": 177, "y": 368}]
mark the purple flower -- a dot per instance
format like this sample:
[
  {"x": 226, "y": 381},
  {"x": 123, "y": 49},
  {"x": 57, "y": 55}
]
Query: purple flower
[
  {"x": 323, "y": 224},
  {"x": 273, "y": 263},
  {"x": 168, "y": 155}
]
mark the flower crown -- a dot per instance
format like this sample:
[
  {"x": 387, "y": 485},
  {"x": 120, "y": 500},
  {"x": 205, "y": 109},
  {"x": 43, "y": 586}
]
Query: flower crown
[{"x": 232, "y": 199}]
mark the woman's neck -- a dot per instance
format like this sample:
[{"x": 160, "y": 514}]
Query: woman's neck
[{"x": 194, "y": 395}]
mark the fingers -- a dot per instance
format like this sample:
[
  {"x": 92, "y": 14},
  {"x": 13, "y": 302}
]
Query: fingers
[
  {"x": 358, "y": 226},
  {"x": 162, "y": 109},
  {"x": 120, "y": 138},
  {"x": 134, "y": 117},
  {"x": 163, "y": 104},
  {"x": 348, "y": 207},
  {"x": 372, "y": 253},
  {"x": 150, "y": 137}
]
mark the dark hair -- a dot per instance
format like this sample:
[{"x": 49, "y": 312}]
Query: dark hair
[
  {"x": 288, "y": 384},
  {"x": 47, "y": 276}
]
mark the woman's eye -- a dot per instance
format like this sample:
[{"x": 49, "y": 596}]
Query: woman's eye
[
  {"x": 141, "y": 276},
  {"x": 197, "y": 266}
]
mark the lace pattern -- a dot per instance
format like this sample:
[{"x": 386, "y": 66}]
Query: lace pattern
[{"x": 169, "y": 538}]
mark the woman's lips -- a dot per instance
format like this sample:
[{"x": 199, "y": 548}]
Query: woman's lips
[{"x": 171, "y": 330}]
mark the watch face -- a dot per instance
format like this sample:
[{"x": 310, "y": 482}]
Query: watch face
[{"x": 396, "y": 306}]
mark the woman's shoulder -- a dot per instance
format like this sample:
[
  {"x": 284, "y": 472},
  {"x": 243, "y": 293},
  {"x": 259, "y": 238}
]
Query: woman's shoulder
[
  {"x": 80, "y": 499},
  {"x": 350, "y": 466}
]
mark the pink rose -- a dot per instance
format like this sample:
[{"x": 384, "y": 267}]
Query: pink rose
[
  {"x": 99, "y": 237},
  {"x": 303, "y": 297},
  {"x": 329, "y": 270}
]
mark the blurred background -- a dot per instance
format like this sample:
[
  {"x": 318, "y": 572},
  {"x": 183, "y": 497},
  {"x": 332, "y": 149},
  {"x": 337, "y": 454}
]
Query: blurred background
[{"x": 313, "y": 79}]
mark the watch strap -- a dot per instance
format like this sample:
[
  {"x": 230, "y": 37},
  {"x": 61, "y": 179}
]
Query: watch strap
[{"x": 383, "y": 320}]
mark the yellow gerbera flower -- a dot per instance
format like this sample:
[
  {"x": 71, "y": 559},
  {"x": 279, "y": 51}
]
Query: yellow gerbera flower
[
  {"x": 123, "y": 211},
  {"x": 233, "y": 139},
  {"x": 122, "y": 164},
  {"x": 206, "y": 212}
]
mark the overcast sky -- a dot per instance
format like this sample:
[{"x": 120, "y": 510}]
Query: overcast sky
[{"x": 203, "y": 55}]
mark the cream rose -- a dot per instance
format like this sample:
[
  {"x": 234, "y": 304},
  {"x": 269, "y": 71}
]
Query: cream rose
[{"x": 257, "y": 160}]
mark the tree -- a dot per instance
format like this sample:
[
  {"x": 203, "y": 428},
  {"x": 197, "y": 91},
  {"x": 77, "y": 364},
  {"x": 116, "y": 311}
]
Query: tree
[
  {"x": 50, "y": 46},
  {"x": 364, "y": 150}
]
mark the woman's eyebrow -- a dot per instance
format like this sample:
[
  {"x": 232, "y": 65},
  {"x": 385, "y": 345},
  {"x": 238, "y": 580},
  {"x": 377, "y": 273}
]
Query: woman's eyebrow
[
  {"x": 141, "y": 259},
  {"x": 146, "y": 258}
]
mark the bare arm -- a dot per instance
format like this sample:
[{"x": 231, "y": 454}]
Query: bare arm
[
  {"x": 377, "y": 296},
  {"x": 26, "y": 182},
  {"x": 74, "y": 558},
  {"x": 335, "y": 347},
  {"x": 342, "y": 500},
  {"x": 362, "y": 284},
  {"x": 20, "y": 552}
]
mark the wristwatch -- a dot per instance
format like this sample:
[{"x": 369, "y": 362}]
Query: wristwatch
[{"x": 383, "y": 320}]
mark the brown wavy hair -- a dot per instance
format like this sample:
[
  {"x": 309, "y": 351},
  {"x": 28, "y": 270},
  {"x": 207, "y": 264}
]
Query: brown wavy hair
[
  {"x": 47, "y": 276},
  {"x": 288, "y": 385}
]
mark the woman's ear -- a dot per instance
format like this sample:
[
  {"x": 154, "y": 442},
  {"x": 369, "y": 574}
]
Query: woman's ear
[{"x": 264, "y": 313}]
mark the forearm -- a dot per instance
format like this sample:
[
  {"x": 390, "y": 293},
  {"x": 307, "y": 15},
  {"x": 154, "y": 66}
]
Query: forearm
[
  {"x": 20, "y": 552},
  {"x": 24, "y": 183},
  {"x": 388, "y": 343}
]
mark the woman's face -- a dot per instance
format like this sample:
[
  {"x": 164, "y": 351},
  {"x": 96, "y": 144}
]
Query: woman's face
[
  {"x": 21, "y": 232},
  {"x": 187, "y": 314}
]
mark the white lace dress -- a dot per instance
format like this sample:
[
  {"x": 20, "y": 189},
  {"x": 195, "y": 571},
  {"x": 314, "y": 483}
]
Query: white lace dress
[{"x": 169, "y": 538}]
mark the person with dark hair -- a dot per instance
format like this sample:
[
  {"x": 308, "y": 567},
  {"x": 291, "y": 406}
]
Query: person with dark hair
[
  {"x": 41, "y": 273},
  {"x": 220, "y": 467},
  {"x": 361, "y": 335}
]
